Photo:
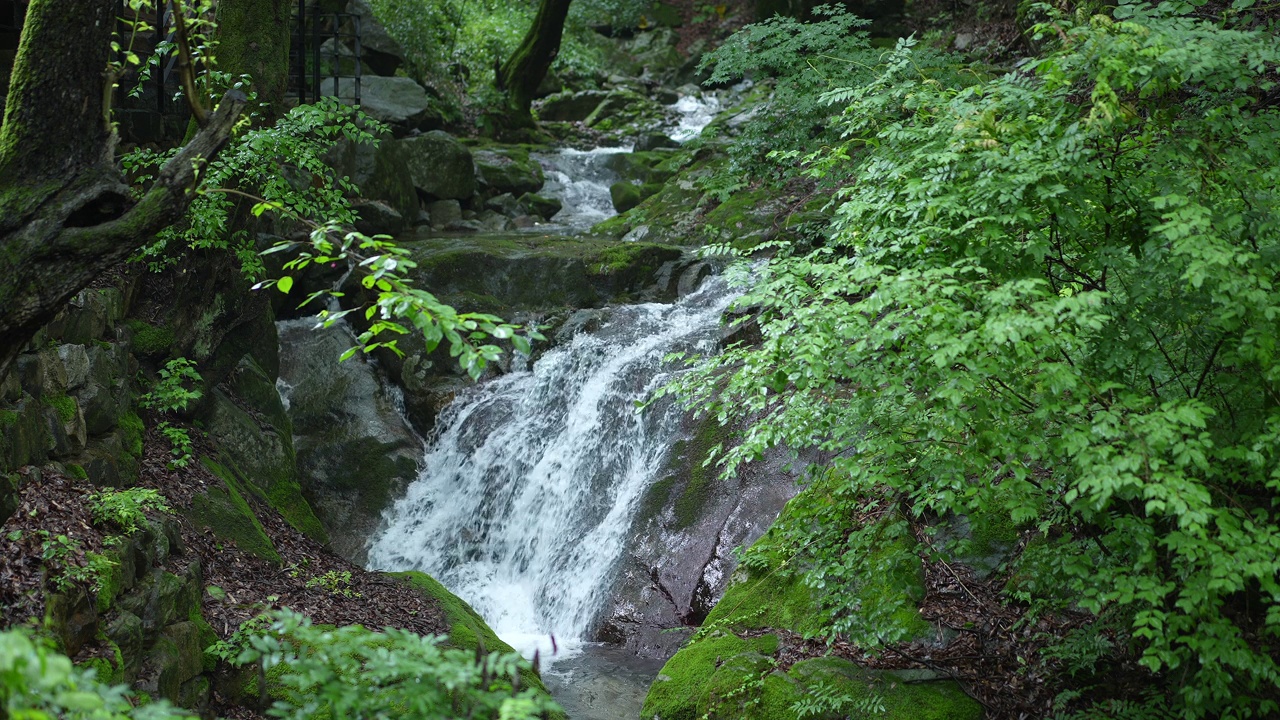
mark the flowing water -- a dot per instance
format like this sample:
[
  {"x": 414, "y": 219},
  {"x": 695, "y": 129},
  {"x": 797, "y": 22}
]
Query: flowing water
[
  {"x": 580, "y": 179},
  {"x": 533, "y": 478}
]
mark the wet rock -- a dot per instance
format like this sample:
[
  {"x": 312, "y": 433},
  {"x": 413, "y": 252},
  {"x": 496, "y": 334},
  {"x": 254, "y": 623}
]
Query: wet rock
[
  {"x": 377, "y": 218},
  {"x": 540, "y": 206},
  {"x": 654, "y": 141},
  {"x": 73, "y": 618},
  {"x": 440, "y": 166},
  {"x": 355, "y": 452},
  {"x": 444, "y": 213},
  {"x": 505, "y": 203},
  {"x": 509, "y": 170}
]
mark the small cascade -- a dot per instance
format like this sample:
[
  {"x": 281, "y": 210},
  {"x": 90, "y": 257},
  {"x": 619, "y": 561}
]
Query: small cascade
[
  {"x": 696, "y": 111},
  {"x": 580, "y": 179},
  {"x": 531, "y": 484}
]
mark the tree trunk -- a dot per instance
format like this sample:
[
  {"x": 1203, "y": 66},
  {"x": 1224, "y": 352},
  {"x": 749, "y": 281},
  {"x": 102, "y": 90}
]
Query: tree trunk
[
  {"x": 519, "y": 77},
  {"x": 253, "y": 40},
  {"x": 65, "y": 211}
]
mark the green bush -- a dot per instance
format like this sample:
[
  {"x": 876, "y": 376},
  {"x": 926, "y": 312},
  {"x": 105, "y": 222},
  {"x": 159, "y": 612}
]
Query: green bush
[
  {"x": 1051, "y": 295},
  {"x": 126, "y": 509},
  {"x": 355, "y": 673},
  {"x": 37, "y": 683}
]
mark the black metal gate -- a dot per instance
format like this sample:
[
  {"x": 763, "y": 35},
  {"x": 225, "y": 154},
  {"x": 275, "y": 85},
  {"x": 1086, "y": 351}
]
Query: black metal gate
[{"x": 311, "y": 61}]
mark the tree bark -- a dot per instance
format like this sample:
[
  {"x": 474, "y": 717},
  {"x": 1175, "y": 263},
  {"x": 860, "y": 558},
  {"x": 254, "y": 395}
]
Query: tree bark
[
  {"x": 66, "y": 213},
  {"x": 519, "y": 77},
  {"x": 253, "y": 40}
]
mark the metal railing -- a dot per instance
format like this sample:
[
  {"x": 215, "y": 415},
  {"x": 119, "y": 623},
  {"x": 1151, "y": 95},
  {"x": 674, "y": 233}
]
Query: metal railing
[{"x": 308, "y": 55}]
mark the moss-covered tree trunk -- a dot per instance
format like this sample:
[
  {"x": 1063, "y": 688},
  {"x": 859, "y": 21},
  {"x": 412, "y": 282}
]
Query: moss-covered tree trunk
[
  {"x": 519, "y": 77},
  {"x": 253, "y": 40},
  {"x": 66, "y": 213}
]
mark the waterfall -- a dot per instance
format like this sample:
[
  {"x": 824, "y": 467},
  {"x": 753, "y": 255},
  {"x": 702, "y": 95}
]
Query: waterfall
[
  {"x": 580, "y": 179},
  {"x": 532, "y": 480}
]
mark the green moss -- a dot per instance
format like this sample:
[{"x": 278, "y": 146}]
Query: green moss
[
  {"x": 225, "y": 511},
  {"x": 65, "y": 405},
  {"x": 148, "y": 340},
  {"x": 697, "y": 491},
  {"x": 687, "y": 677},
  {"x": 131, "y": 433},
  {"x": 656, "y": 497},
  {"x": 285, "y": 496},
  {"x": 467, "y": 630},
  {"x": 8, "y": 418},
  {"x": 77, "y": 471},
  {"x": 902, "y": 699}
]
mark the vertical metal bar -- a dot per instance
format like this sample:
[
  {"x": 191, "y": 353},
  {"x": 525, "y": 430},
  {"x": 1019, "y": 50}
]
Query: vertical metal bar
[
  {"x": 355, "y": 24},
  {"x": 315, "y": 53},
  {"x": 300, "y": 51},
  {"x": 335, "y": 65}
]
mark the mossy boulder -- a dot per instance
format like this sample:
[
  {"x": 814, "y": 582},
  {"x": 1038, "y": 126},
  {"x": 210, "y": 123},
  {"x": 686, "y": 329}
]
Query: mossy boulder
[
  {"x": 509, "y": 169},
  {"x": 225, "y": 510},
  {"x": 440, "y": 166},
  {"x": 379, "y": 171},
  {"x": 626, "y": 195},
  {"x": 569, "y": 106},
  {"x": 724, "y": 672},
  {"x": 523, "y": 272},
  {"x": 258, "y": 447}
]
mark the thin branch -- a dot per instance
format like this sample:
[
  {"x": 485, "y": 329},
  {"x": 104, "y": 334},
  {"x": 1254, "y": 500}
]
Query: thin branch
[{"x": 186, "y": 70}]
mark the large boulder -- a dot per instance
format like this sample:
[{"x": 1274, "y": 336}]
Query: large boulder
[
  {"x": 508, "y": 170},
  {"x": 397, "y": 101},
  {"x": 439, "y": 166},
  {"x": 379, "y": 171},
  {"x": 570, "y": 106},
  {"x": 356, "y": 454},
  {"x": 379, "y": 51}
]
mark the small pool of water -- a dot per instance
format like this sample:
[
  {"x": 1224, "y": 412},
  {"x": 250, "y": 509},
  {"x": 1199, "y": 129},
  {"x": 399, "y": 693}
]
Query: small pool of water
[{"x": 601, "y": 682}]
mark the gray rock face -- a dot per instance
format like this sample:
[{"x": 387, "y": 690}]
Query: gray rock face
[
  {"x": 396, "y": 101},
  {"x": 379, "y": 171},
  {"x": 439, "y": 165},
  {"x": 353, "y": 447},
  {"x": 381, "y": 52},
  {"x": 680, "y": 558}
]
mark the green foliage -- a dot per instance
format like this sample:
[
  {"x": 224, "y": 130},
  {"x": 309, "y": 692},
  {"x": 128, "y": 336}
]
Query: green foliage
[
  {"x": 282, "y": 164},
  {"x": 458, "y": 42},
  {"x": 177, "y": 387},
  {"x": 335, "y": 583},
  {"x": 801, "y": 60},
  {"x": 37, "y": 683},
  {"x": 126, "y": 509},
  {"x": 823, "y": 699},
  {"x": 1050, "y": 295},
  {"x": 355, "y": 673},
  {"x": 180, "y": 446},
  {"x": 68, "y": 565},
  {"x": 396, "y": 302}
]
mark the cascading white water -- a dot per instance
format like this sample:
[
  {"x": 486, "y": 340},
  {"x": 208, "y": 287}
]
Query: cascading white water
[
  {"x": 696, "y": 111},
  {"x": 580, "y": 179},
  {"x": 532, "y": 480}
]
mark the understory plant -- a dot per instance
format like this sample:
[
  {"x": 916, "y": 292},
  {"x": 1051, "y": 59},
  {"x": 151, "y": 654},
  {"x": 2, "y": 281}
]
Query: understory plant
[
  {"x": 356, "y": 673},
  {"x": 1049, "y": 295}
]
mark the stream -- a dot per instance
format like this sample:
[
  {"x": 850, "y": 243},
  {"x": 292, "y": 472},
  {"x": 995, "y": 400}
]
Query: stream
[{"x": 532, "y": 480}]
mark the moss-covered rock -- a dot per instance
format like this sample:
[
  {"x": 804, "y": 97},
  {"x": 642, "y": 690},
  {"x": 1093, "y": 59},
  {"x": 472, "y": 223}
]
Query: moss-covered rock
[
  {"x": 225, "y": 511},
  {"x": 467, "y": 630},
  {"x": 507, "y": 169},
  {"x": 724, "y": 671},
  {"x": 440, "y": 166}
]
